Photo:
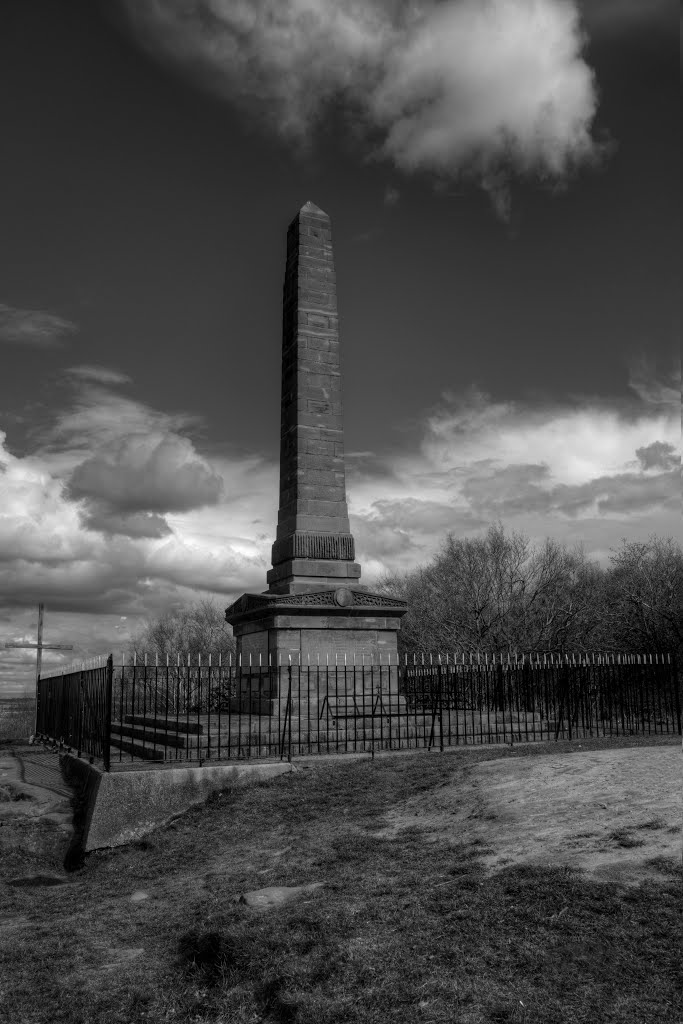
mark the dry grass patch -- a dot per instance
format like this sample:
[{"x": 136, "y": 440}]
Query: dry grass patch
[{"x": 17, "y": 719}]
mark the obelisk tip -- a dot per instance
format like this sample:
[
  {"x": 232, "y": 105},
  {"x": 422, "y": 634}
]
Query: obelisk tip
[{"x": 311, "y": 208}]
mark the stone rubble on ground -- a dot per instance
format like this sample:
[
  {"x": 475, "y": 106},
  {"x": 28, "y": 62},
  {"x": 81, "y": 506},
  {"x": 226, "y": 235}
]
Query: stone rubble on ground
[
  {"x": 276, "y": 895},
  {"x": 139, "y": 896}
]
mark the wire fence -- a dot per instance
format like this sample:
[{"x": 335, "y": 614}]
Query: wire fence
[{"x": 200, "y": 710}]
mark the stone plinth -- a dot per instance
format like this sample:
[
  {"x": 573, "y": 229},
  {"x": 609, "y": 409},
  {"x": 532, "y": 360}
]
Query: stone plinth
[
  {"x": 342, "y": 626},
  {"x": 326, "y": 623}
]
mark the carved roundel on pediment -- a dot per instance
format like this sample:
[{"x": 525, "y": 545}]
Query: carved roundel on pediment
[{"x": 343, "y": 597}]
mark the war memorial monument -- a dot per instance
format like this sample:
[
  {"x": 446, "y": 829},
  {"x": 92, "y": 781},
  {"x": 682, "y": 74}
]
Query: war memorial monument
[{"x": 314, "y": 607}]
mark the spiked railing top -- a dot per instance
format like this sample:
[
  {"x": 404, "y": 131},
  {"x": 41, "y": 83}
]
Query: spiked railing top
[
  {"x": 452, "y": 659},
  {"x": 84, "y": 665}
]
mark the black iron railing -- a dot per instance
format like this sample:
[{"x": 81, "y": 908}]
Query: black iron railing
[
  {"x": 73, "y": 709},
  {"x": 201, "y": 711}
]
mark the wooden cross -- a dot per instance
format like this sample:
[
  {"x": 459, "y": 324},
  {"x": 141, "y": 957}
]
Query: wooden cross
[{"x": 40, "y": 646}]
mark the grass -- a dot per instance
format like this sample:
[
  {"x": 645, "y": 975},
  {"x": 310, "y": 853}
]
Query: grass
[
  {"x": 402, "y": 931},
  {"x": 17, "y": 719},
  {"x": 622, "y": 837}
]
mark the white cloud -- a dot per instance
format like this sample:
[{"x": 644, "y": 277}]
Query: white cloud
[
  {"x": 477, "y": 87},
  {"x": 99, "y": 588},
  {"x": 105, "y": 556},
  {"x": 122, "y": 458},
  {"x": 151, "y": 472},
  {"x": 489, "y": 83},
  {"x": 33, "y": 327},
  {"x": 98, "y": 374},
  {"x": 97, "y": 416},
  {"x": 591, "y": 472},
  {"x": 578, "y": 443}
]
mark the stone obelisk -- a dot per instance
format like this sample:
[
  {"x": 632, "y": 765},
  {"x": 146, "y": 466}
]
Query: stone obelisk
[
  {"x": 313, "y": 547},
  {"x": 313, "y": 605}
]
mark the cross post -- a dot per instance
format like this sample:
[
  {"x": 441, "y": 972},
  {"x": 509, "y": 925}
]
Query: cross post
[{"x": 40, "y": 646}]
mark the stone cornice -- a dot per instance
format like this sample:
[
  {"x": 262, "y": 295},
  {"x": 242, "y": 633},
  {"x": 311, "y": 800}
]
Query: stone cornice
[{"x": 341, "y": 601}]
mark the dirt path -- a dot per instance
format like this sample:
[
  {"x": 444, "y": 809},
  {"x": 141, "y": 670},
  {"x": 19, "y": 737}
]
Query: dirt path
[
  {"x": 610, "y": 813},
  {"x": 36, "y": 813}
]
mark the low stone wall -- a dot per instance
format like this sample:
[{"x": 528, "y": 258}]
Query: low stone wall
[{"x": 116, "y": 808}]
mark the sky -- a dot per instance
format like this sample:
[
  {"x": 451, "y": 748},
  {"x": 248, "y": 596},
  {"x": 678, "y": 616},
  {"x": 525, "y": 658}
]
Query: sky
[{"x": 502, "y": 180}]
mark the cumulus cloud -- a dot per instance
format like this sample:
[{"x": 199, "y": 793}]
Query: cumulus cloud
[
  {"x": 489, "y": 83},
  {"x": 152, "y": 472},
  {"x": 124, "y": 463},
  {"x": 658, "y": 455},
  {"x": 134, "y": 524},
  {"x": 91, "y": 560},
  {"x": 33, "y": 327},
  {"x": 105, "y": 518},
  {"x": 452, "y": 87},
  {"x": 50, "y": 551}
]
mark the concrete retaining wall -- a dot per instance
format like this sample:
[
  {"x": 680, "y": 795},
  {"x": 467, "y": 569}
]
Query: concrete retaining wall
[{"x": 115, "y": 808}]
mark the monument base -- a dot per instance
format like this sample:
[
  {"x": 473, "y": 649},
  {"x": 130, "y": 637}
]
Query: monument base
[{"x": 340, "y": 628}]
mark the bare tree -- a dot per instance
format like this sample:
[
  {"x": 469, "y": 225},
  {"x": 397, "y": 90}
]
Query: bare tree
[
  {"x": 194, "y": 629},
  {"x": 498, "y": 593},
  {"x": 645, "y": 585},
  {"x": 179, "y": 636}
]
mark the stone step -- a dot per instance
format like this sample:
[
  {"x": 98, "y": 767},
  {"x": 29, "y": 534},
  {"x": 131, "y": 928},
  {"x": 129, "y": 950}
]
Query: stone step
[
  {"x": 269, "y": 727},
  {"x": 245, "y": 751},
  {"x": 145, "y": 751},
  {"x": 344, "y": 736},
  {"x": 149, "y": 735},
  {"x": 326, "y": 732},
  {"x": 167, "y": 725},
  {"x": 322, "y": 743},
  {"x": 314, "y": 710},
  {"x": 395, "y": 715}
]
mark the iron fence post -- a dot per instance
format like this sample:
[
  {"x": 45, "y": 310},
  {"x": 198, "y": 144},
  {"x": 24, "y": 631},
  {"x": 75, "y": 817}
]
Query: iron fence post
[
  {"x": 289, "y": 725},
  {"x": 79, "y": 713},
  {"x": 435, "y": 697},
  {"x": 106, "y": 738},
  {"x": 440, "y": 708},
  {"x": 561, "y": 697},
  {"x": 677, "y": 695},
  {"x": 570, "y": 682}
]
